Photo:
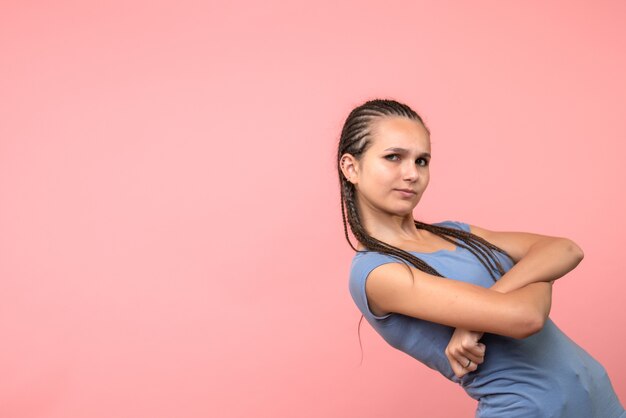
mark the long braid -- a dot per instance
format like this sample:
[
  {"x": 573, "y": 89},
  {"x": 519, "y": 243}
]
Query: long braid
[
  {"x": 355, "y": 140},
  {"x": 481, "y": 248}
]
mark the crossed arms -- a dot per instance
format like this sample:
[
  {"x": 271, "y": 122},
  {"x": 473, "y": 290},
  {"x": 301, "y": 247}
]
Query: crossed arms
[{"x": 517, "y": 305}]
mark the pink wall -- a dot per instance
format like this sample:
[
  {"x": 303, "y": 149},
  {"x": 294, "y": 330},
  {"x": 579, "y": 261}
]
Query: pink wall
[{"x": 170, "y": 236}]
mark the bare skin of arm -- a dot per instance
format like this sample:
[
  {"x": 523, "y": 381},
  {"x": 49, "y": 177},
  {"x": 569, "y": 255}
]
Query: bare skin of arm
[
  {"x": 395, "y": 287},
  {"x": 539, "y": 259}
]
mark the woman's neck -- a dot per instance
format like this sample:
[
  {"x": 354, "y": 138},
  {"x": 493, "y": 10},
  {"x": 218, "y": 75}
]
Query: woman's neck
[{"x": 393, "y": 230}]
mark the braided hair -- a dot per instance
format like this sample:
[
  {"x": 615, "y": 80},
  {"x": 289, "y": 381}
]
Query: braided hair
[{"x": 356, "y": 137}]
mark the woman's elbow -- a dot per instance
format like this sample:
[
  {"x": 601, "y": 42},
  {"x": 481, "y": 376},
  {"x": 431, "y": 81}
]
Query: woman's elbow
[
  {"x": 529, "y": 323},
  {"x": 575, "y": 251},
  {"x": 534, "y": 324}
]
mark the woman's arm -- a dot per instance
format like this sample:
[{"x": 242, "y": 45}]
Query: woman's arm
[
  {"x": 392, "y": 288},
  {"x": 465, "y": 345},
  {"x": 539, "y": 258}
]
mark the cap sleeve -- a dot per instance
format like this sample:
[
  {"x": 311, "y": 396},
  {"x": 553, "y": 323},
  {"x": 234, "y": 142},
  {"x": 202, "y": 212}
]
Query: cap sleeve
[{"x": 362, "y": 265}]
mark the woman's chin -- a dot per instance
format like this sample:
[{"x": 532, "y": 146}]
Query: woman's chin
[{"x": 402, "y": 212}]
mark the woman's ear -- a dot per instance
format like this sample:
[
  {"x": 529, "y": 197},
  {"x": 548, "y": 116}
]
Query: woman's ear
[{"x": 349, "y": 167}]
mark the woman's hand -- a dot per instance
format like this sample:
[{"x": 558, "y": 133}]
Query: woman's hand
[{"x": 464, "y": 352}]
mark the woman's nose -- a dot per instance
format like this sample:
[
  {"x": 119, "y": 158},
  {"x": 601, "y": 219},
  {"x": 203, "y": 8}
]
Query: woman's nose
[{"x": 411, "y": 172}]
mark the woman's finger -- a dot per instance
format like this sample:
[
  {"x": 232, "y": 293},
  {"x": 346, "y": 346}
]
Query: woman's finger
[
  {"x": 477, "y": 349},
  {"x": 458, "y": 370},
  {"x": 471, "y": 367},
  {"x": 463, "y": 356}
]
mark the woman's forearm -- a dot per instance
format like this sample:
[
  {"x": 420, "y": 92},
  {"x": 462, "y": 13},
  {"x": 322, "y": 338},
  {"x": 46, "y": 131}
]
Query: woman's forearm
[{"x": 545, "y": 261}]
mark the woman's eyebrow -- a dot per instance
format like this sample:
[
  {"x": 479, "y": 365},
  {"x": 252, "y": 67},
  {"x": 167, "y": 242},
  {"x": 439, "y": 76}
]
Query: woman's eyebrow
[{"x": 405, "y": 151}]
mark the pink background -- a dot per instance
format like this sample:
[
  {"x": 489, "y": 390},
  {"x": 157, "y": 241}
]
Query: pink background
[{"x": 170, "y": 236}]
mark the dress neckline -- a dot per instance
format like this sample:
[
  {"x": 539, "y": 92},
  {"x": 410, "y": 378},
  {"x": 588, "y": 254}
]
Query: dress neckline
[{"x": 443, "y": 250}]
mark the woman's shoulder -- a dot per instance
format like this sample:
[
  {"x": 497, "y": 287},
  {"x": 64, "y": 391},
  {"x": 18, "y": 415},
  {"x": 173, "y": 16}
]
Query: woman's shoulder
[
  {"x": 363, "y": 262},
  {"x": 368, "y": 256}
]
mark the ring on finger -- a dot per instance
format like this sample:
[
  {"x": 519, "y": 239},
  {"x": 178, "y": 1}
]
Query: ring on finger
[{"x": 468, "y": 363}]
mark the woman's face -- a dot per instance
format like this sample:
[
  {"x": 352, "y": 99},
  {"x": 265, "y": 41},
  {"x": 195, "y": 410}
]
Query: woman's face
[{"x": 393, "y": 173}]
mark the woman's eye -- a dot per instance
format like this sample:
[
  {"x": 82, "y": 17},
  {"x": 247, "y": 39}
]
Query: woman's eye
[
  {"x": 392, "y": 157},
  {"x": 422, "y": 162}
]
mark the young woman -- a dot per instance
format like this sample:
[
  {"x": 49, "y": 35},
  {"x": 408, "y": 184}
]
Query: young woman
[{"x": 445, "y": 293}]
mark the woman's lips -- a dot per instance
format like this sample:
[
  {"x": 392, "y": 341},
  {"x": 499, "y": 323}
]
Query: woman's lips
[{"x": 406, "y": 192}]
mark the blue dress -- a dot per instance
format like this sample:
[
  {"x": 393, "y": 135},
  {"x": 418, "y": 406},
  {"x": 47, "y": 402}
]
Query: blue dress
[{"x": 544, "y": 375}]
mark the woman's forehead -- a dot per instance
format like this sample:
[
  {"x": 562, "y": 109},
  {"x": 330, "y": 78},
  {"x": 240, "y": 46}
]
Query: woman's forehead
[{"x": 400, "y": 132}]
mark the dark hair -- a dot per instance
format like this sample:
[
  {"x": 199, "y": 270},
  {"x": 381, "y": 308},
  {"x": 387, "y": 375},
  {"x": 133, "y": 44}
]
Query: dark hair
[{"x": 356, "y": 138}]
